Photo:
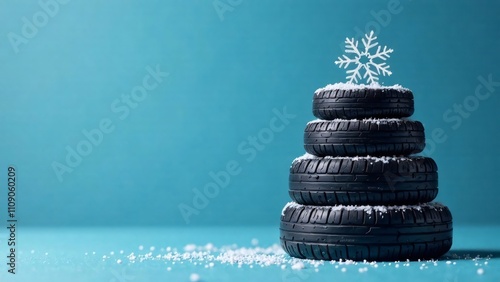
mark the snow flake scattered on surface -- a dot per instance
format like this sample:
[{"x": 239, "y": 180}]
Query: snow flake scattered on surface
[
  {"x": 209, "y": 256},
  {"x": 190, "y": 247},
  {"x": 353, "y": 86},
  {"x": 194, "y": 277},
  {"x": 298, "y": 265},
  {"x": 373, "y": 63},
  {"x": 363, "y": 269},
  {"x": 254, "y": 242},
  {"x": 385, "y": 159},
  {"x": 366, "y": 120},
  {"x": 368, "y": 209}
]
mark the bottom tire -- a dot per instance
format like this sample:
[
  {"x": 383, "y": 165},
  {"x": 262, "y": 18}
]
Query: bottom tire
[{"x": 373, "y": 233}]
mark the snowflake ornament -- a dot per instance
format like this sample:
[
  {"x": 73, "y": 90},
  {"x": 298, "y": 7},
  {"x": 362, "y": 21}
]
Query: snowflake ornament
[{"x": 372, "y": 64}]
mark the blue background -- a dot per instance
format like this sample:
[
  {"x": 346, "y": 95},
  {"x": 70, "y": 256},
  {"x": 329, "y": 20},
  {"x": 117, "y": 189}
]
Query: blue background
[{"x": 227, "y": 74}]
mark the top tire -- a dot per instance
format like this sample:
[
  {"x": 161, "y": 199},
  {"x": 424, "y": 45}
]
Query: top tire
[{"x": 343, "y": 101}]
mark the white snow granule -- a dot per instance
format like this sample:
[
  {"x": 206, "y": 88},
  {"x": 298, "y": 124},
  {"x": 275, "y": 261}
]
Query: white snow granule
[
  {"x": 119, "y": 261},
  {"x": 343, "y": 269},
  {"x": 448, "y": 262},
  {"x": 209, "y": 246},
  {"x": 480, "y": 271},
  {"x": 141, "y": 247},
  {"x": 298, "y": 265},
  {"x": 254, "y": 242},
  {"x": 190, "y": 248},
  {"x": 131, "y": 256},
  {"x": 194, "y": 277},
  {"x": 169, "y": 268}
]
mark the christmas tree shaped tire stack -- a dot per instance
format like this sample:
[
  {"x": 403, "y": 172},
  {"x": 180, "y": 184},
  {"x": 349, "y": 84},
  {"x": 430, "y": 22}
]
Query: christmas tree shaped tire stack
[{"x": 351, "y": 201}]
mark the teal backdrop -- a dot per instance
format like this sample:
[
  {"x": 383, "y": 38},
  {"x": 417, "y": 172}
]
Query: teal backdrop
[{"x": 190, "y": 112}]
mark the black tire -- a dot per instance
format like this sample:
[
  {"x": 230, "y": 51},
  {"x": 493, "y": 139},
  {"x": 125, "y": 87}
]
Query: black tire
[
  {"x": 351, "y": 233},
  {"x": 363, "y": 181},
  {"x": 376, "y": 137},
  {"x": 363, "y": 103}
]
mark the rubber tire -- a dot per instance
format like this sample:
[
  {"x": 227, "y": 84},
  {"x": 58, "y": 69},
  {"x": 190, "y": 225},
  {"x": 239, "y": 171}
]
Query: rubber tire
[
  {"x": 364, "y": 137},
  {"x": 363, "y": 103},
  {"x": 311, "y": 232},
  {"x": 363, "y": 181}
]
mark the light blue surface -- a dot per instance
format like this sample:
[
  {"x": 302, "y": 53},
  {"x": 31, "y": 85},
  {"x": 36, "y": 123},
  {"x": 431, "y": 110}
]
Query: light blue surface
[{"x": 66, "y": 260}]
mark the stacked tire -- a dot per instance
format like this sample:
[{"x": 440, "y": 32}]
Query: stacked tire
[{"x": 359, "y": 193}]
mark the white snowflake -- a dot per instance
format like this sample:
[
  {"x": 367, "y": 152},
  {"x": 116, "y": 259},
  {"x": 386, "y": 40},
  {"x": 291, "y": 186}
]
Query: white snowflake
[{"x": 365, "y": 60}]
